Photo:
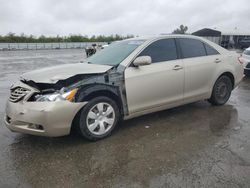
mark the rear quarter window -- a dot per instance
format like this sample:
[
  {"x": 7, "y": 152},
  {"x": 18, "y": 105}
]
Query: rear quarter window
[{"x": 210, "y": 50}]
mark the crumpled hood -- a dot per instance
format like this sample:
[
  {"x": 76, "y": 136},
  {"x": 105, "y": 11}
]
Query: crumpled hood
[{"x": 62, "y": 72}]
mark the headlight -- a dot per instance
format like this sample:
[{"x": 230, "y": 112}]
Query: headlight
[{"x": 56, "y": 96}]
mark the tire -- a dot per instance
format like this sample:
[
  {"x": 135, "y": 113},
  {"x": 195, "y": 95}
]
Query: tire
[
  {"x": 247, "y": 73},
  {"x": 221, "y": 91},
  {"x": 98, "y": 118}
]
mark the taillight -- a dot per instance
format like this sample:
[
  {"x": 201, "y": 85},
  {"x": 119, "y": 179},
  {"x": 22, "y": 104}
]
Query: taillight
[{"x": 240, "y": 59}]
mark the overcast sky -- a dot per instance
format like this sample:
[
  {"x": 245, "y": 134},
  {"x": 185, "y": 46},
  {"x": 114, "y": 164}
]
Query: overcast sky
[{"x": 144, "y": 17}]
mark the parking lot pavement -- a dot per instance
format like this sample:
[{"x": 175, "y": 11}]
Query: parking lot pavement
[{"x": 196, "y": 145}]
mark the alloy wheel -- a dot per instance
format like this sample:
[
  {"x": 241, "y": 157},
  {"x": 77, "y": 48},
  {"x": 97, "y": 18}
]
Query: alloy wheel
[{"x": 100, "y": 118}]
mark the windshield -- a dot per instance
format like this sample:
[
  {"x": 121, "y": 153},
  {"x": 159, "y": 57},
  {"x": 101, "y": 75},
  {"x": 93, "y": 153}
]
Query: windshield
[{"x": 115, "y": 53}]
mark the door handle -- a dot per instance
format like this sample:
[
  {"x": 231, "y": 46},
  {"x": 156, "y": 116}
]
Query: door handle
[
  {"x": 217, "y": 60},
  {"x": 177, "y": 67}
]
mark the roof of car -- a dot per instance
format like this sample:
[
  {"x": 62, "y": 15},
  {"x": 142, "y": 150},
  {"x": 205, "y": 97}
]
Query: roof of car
[
  {"x": 163, "y": 36},
  {"x": 152, "y": 38}
]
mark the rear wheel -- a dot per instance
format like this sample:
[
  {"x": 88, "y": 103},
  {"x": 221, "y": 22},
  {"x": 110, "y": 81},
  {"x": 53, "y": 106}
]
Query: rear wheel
[
  {"x": 221, "y": 91},
  {"x": 98, "y": 118},
  {"x": 247, "y": 72}
]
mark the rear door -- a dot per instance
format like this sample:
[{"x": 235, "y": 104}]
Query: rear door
[
  {"x": 158, "y": 84},
  {"x": 200, "y": 61}
]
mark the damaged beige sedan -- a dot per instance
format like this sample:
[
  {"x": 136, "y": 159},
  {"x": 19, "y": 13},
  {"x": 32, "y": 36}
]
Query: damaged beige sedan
[{"x": 125, "y": 80}]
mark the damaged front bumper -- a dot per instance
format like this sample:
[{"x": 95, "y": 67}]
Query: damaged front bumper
[{"x": 41, "y": 118}]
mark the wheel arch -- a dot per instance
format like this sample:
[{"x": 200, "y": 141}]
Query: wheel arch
[
  {"x": 91, "y": 91},
  {"x": 107, "y": 93},
  {"x": 225, "y": 73},
  {"x": 213, "y": 99},
  {"x": 230, "y": 75}
]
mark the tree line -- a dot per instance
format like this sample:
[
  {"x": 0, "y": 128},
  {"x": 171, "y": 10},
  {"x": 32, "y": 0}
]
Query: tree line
[{"x": 22, "y": 38}]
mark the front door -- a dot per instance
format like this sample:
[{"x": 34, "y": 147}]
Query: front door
[{"x": 158, "y": 84}]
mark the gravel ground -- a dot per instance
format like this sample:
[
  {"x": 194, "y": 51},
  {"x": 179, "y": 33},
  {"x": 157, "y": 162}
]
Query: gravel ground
[{"x": 196, "y": 145}]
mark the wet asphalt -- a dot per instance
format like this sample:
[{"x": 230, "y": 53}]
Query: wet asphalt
[{"x": 196, "y": 145}]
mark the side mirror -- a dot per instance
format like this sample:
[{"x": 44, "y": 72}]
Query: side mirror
[{"x": 142, "y": 60}]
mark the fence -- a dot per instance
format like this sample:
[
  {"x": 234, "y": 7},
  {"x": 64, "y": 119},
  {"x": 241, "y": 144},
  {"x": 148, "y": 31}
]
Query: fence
[{"x": 46, "y": 46}]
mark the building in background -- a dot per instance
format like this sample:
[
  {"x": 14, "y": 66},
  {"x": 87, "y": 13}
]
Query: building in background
[
  {"x": 233, "y": 39},
  {"x": 210, "y": 34}
]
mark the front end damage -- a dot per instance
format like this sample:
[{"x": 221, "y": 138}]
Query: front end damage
[{"x": 24, "y": 113}]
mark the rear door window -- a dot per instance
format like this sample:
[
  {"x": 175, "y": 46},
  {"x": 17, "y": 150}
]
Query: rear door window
[{"x": 191, "y": 48}]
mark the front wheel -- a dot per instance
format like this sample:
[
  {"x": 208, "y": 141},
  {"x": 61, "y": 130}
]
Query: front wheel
[
  {"x": 221, "y": 91},
  {"x": 98, "y": 118}
]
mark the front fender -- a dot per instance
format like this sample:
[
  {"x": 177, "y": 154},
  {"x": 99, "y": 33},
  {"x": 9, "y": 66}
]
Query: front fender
[{"x": 87, "y": 90}]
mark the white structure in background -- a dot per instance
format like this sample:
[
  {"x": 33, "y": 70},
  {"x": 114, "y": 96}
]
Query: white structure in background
[
  {"x": 226, "y": 39},
  {"x": 48, "y": 46},
  {"x": 210, "y": 34}
]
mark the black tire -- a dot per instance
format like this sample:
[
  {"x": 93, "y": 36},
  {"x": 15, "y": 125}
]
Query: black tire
[
  {"x": 81, "y": 124},
  {"x": 247, "y": 73},
  {"x": 221, "y": 91}
]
